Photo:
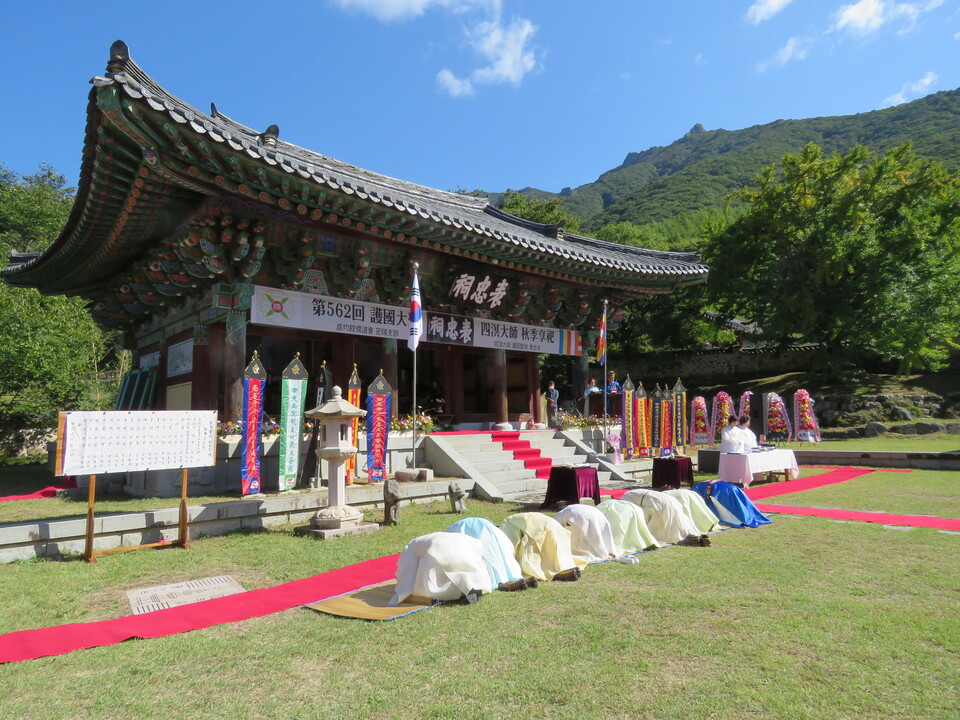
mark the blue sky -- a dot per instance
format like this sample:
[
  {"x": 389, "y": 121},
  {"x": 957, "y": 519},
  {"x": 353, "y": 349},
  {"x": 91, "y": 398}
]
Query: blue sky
[{"x": 490, "y": 94}]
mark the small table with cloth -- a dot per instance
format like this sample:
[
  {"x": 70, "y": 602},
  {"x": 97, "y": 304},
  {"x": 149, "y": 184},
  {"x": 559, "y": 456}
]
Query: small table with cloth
[
  {"x": 740, "y": 467},
  {"x": 672, "y": 472},
  {"x": 569, "y": 484}
]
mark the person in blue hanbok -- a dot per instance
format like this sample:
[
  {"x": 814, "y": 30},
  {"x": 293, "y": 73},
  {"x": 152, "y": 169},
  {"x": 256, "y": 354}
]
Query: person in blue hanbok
[
  {"x": 497, "y": 549},
  {"x": 731, "y": 504}
]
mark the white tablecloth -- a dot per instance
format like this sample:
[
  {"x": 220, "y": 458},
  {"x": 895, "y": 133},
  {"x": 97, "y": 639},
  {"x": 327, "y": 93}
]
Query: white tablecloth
[{"x": 740, "y": 468}]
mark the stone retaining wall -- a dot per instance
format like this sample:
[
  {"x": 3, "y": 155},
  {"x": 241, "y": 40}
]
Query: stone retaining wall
[{"x": 53, "y": 538}]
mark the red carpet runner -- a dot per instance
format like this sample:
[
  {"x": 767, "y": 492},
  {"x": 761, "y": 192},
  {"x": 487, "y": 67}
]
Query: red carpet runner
[
  {"x": 522, "y": 451},
  {"x": 926, "y": 521},
  {"x": 60, "y": 639},
  {"x": 808, "y": 483},
  {"x": 44, "y": 493}
]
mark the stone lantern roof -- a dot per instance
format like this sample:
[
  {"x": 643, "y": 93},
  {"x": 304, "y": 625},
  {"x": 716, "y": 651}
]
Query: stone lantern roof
[{"x": 334, "y": 408}]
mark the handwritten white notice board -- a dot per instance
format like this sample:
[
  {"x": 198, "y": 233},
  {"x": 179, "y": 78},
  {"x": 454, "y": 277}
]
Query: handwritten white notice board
[{"x": 94, "y": 442}]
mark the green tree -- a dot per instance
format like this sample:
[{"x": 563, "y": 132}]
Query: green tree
[
  {"x": 51, "y": 357},
  {"x": 33, "y": 208},
  {"x": 548, "y": 211},
  {"x": 855, "y": 248}
]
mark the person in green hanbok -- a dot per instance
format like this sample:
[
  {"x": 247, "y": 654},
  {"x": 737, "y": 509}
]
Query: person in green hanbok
[
  {"x": 630, "y": 531},
  {"x": 696, "y": 507}
]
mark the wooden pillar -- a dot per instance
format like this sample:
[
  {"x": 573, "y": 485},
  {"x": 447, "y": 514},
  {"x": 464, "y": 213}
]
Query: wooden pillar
[
  {"x": 234, "y": 362},
  {"x": 500, "y": 411},
  {"x": 533, "y": 382},
  {"x": 206, "y": 366},
  {"x": 453, "y": 380}
]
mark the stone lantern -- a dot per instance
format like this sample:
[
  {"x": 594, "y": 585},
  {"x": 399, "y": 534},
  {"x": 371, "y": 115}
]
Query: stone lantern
[{"x": 335, "y": 443}]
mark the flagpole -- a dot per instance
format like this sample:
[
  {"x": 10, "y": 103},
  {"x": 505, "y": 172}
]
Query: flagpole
[
  {"x": 603, "y": 331},
  {"x": 416, "y": 326}
]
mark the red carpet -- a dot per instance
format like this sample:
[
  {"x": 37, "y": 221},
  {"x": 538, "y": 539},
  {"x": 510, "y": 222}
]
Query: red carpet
[
  {"x": 510, "y": 439},
  {"x": 44, "y": 493},
  {"x": 60, "y": 639},
  {"x": 808, "y": 483},
  {"x": 615, "y": 494},
  {"x": 926, "y": 521}
]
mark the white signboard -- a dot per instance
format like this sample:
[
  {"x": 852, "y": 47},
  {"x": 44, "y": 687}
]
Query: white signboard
[
  {"x": 287, "y": 308},
  {"x": 306, "y": 311},
  {"x": 93, "y": 443}
]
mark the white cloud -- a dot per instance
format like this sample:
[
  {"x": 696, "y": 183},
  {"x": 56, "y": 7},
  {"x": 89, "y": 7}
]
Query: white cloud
[
  {"x": 795, "y": 49},
  {"x": 699, "y": 59},
  {"x": 504, "y": 49},
  {"x": 956, "y": 36},
  {"x": 387, "y": 10},
  {"x": 868, "y": 16},
  {"x": 764, "y": 10},
  {"x": 918, "y": 88},
  {"x": 452, "y": 85},
  {"x": 861, "y": 18}
]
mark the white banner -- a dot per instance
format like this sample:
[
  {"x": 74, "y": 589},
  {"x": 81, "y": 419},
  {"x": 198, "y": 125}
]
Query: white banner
[{"x": 305, "y": 311}]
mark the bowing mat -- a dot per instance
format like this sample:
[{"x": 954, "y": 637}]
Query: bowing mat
[{"x": 370, "y": 603}]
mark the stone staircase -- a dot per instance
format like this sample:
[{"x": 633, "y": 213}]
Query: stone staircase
[{"x": 509, "y": 461}]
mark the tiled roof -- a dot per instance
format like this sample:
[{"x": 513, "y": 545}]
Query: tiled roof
[{"x": 468, "y": 212}]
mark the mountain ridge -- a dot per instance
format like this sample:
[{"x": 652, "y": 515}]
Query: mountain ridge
[{"x": 697, "y": 171}]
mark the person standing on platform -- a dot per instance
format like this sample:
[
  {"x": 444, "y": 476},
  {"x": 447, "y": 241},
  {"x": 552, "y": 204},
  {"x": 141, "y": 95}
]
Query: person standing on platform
[
  {"x": 731, "y": 441},
  {"x": 590, "y": 390},
  {"x": 553, "y": 404},
  {"x": 613, "y": 387}
]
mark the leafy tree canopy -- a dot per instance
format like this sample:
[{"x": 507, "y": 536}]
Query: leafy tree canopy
[
  {"x": 50, "y": 357},
  {"x": 33, "y": 208},
  {"x": 542, "y": 210},
  {"x": 853, "y": 247}
]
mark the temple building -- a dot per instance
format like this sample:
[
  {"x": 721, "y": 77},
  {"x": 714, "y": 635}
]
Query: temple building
[{"x": 204, "y": 240}]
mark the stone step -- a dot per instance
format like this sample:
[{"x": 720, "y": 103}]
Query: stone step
[
  {"x": 517, "y": 487},
  {"x": 490, "y": 469},
  {"x": 502, "y": 479}
]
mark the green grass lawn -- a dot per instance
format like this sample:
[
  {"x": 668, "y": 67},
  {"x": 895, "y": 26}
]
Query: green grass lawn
[{"x": 804, "y": 618}]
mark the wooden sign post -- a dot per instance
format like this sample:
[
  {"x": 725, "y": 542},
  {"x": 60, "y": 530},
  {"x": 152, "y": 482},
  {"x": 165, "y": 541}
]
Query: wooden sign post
[{"x": 93, "y": 443}]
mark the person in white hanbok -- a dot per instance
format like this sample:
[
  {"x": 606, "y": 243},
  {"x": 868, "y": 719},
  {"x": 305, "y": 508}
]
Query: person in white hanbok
[
  {"x": 666, "y": 518},
  {"x": 591, "y": 536},
  {"x": 731, "y": 441},
  {"x": 628, "y": 525},
  {"x": 441, "y": 566}
]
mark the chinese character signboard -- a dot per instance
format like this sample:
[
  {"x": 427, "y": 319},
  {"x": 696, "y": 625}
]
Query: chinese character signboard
[{"x": 304, "y": 311}]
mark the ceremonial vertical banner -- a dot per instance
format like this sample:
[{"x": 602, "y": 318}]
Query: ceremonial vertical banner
[
  {"x": 353, "y": 397},
  {"x": 293, "y": 389},
  {"x": 254, "y": 378},
  {"x": 378, "y": 424},
  {"x": 680, "y": 439},
  {"x": 700, "y": 433},
  {"x": 666, "y": 420},
  {"x": 629, "y": 434},
  {"x": 656, "y": 418},
  {"x": 642, "y": 405}
]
